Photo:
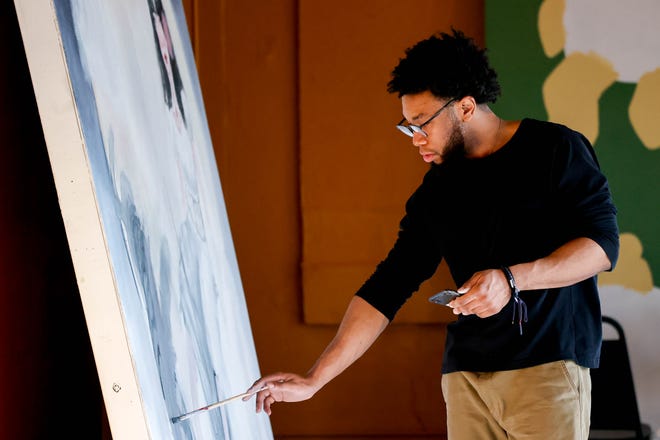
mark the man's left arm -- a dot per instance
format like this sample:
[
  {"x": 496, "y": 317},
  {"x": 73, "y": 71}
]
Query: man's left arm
[
  {"x": 489, "y": 290},
  {"x": 573, "y": 262}
]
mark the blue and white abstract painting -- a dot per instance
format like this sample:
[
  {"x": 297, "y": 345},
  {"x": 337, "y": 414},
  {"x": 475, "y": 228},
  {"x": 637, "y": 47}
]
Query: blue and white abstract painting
[{"x": 155, "y": 178}]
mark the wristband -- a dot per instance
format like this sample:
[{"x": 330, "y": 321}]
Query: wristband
[{"x": 519, "y": 306}]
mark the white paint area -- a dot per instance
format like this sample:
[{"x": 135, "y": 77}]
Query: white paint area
[{"x": 626, "y": 33}]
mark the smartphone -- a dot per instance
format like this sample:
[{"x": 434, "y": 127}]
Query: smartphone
[{"x": 444, "y": 297}]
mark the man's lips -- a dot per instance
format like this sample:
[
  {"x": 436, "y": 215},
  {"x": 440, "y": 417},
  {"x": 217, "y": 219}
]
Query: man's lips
[{"x": 428, "y": 157}]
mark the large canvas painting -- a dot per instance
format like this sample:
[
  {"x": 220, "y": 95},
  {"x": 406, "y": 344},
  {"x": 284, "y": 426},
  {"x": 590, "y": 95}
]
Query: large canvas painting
[{"x": 137, "y": 180}]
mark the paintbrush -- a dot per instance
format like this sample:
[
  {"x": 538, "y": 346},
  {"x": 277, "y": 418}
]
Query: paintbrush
[{"x": 215, "y": 405}]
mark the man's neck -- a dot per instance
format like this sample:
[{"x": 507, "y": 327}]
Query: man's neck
[{"x": 487, "y": 133}]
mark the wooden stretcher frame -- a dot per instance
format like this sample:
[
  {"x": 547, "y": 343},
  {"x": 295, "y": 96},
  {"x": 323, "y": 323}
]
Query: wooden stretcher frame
[{"x": 66, "y": 149}]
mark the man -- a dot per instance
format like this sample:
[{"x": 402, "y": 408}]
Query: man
[{"x": 524, "y": 218}]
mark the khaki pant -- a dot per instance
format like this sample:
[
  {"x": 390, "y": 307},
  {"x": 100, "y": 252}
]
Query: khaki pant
[{"x": 546, "y": 402}]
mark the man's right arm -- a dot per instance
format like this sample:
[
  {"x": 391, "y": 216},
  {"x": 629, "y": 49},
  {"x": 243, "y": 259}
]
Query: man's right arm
[{"x": 360, "y": 327}]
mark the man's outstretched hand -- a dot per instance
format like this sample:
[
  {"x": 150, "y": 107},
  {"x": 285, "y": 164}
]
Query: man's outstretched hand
[{"x": 281, "y": 387}]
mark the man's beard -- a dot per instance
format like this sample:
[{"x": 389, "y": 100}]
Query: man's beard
[{"x": 455, "y": 148}]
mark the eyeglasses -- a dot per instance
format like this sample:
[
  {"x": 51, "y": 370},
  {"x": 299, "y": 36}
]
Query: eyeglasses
[{"x": 410, "y": 129}]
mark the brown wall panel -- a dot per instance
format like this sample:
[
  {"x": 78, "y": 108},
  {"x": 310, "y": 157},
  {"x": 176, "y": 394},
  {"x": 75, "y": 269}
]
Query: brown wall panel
[
  {"x": 248, "y": 61},
  {"x": 357, "y": 170}
]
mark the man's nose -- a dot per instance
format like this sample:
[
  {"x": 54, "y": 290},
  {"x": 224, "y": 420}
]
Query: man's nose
[{"x": 419, "y": 139}]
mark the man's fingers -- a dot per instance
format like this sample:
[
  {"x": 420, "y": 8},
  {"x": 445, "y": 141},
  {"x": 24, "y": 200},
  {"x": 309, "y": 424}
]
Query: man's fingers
[
  {"x": 261, "y": 403},
  {"x": 268, "y": 401},
  {"x": 280, "y": 387},
  {"x": 266, "y": 381}
]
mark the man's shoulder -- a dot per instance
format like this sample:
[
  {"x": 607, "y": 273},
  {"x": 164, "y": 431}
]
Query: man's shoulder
[{"x": 552, "y": 131}]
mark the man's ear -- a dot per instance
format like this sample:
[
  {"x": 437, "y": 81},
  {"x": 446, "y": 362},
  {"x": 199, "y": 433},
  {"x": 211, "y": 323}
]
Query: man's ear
[{"x": 466, "y": 108}]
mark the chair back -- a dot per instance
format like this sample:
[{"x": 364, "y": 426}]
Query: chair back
[{"x": 613, "y": 398}]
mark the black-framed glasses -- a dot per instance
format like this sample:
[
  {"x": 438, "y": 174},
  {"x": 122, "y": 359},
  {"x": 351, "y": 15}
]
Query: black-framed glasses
[{"x": 410, "y": 129}]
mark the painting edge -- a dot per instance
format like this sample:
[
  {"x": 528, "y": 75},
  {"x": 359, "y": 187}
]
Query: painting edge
[{"x": 82, "y": 221}]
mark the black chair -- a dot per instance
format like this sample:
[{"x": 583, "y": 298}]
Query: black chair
[{"x": 614, "y": 411}]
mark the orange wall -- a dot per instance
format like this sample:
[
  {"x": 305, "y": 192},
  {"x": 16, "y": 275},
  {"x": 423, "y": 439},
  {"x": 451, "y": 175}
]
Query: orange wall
[{"x": 248, "y": 65}]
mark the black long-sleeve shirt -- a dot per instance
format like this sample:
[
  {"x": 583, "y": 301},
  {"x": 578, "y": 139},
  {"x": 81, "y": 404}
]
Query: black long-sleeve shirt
[{"x": 536, "y": 193}]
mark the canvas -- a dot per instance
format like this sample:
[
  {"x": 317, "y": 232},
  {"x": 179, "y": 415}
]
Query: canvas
[{"x": 137, "y": 180}]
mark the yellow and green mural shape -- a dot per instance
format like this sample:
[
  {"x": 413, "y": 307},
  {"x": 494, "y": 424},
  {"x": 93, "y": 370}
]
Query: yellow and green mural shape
[
  {"x": 594, "y": 65},
  {"x": 598, "y": 73}
]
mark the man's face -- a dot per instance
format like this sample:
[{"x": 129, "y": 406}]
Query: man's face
[{"x": 444, "y": 138}]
